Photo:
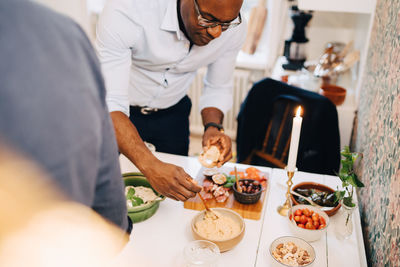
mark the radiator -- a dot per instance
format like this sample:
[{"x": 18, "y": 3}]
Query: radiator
[{"x": 242, "y": 84}]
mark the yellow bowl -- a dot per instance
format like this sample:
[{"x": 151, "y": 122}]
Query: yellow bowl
[{"x": 224, "y": 245}]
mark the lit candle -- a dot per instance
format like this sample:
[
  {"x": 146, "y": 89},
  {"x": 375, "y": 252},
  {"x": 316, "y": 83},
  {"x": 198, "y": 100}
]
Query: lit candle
[{"x": 294, "y": 141}]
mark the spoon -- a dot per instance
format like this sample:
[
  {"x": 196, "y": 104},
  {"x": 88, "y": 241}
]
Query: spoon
[
  {"x": 238, "y": 187},
  {"x": 309, "y": 201},
  {"x": 207, "y": 207}
]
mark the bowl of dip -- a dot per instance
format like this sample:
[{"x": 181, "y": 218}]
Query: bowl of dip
[
  {"x": 226, "y": 231},
  {"x": 145, "y": 201}
]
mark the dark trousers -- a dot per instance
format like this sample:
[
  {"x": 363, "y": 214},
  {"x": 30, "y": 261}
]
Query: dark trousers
[{"x": 167, "y": 129}]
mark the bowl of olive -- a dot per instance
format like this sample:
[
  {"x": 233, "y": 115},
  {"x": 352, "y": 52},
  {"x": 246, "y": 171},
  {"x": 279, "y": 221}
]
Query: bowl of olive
[
  {"x": 319, "y": 193},
  {"x": 250, "y": 191}
]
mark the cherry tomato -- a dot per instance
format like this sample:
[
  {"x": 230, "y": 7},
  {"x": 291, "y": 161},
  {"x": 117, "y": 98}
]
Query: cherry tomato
[
  {"x": 298, "y": 213},
  {"x": 306, "y": 212},
  {"x": 316, "y": 224},
  {"x": 322, "y": 220},
  {"x": 309, "y": 226},
  {"x": 297, "y": 218},
  {"x": 303, "y": 219},
  {"x": 300, "y": 225},
  {"x": 315, "y": 217},
  {"x": 322, "y": 226}
]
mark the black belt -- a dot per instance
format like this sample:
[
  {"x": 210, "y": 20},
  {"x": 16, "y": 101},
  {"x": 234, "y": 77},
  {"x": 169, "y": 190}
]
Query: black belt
[
  {"x": 148, "y": 110},
  {"x": 145, "y": 110}
]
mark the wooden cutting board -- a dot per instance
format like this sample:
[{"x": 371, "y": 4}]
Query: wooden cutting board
[{"x": 248, "y": 211}]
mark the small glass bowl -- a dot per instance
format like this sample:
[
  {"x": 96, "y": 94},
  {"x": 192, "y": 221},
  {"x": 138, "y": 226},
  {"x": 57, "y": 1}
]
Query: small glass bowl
[{"x": 201, "y": 253}]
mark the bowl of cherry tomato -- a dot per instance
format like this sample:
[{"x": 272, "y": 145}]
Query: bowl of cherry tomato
[{"x": 308, "y": 222}]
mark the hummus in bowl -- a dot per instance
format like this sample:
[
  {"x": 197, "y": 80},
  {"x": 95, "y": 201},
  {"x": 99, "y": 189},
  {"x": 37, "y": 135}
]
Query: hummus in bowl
[{"x": 226, "y": 231}]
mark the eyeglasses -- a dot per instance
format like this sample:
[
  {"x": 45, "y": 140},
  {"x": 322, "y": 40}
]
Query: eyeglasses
[{"x": 211, "y": 24}]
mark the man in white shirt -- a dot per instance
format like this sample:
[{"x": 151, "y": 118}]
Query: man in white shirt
[{"x": 150, "y": 52}]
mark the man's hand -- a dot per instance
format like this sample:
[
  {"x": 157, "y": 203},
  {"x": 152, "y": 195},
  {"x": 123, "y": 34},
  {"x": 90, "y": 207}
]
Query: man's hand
[
  {"x": 213, "y": 137},
  {"x": 171, "y": 181},
  {"x": 167, "y": 179}
]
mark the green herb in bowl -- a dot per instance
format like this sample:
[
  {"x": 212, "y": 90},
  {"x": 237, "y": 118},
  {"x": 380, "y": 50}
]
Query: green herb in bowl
[{"x": 141, "y": 208}]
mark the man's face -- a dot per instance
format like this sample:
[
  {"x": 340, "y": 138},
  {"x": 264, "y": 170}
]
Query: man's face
[{"x": 218, "y": 11}]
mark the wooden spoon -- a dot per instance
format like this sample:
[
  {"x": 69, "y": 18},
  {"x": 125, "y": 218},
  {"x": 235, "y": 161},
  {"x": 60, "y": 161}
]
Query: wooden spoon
[
  {"x": 238, "y": 187},
  {"x": 207, "y": 207}
]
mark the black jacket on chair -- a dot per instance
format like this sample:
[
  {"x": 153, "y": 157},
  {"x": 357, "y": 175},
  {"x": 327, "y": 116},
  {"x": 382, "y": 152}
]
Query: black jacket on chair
[{"x": 319, "y": 147}]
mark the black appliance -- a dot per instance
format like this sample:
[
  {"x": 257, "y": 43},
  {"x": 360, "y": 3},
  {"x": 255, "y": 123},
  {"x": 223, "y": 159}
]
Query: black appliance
[{"x": 295, "y": 47}]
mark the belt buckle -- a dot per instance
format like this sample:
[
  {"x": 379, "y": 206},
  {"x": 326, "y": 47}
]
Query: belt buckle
[{"x": 148, "y": 110}]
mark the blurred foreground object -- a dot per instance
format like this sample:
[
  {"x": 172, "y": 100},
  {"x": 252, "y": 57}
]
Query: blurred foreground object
[
  {"x": 75, "y": 9},
  {"x": 38, "y": 227},
  {"x": 59, "y": 120}
]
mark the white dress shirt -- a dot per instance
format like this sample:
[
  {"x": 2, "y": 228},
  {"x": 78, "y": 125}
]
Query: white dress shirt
[{"x": 147, "y": 60}]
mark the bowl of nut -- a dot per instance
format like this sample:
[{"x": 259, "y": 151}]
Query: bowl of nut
[
  {"x": 291, "y": 251},
  {"x": 249, "y": 192}
]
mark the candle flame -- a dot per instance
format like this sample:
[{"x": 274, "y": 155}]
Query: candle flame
[{"x": 298, "y": 113}]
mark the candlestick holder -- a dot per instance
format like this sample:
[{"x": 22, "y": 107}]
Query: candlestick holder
[{"x": 284, "y": 209}]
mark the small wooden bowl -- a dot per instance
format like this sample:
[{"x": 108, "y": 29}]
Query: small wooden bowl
[
  {"x": 321, "y": 187},
  {"x": 246, "y": 198},
  {"x": 334, "y": 93}
]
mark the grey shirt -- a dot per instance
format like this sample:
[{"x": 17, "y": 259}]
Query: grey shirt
[{"x": 52, "y": 106}]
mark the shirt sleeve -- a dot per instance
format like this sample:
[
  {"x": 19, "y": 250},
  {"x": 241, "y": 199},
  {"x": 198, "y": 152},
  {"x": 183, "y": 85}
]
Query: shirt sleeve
[
  {"x": 115, "y": 36},
  {"x": 218, "y": 82}
]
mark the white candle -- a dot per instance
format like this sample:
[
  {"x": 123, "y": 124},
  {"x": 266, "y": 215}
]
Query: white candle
[{"x": 294, "y": 141}]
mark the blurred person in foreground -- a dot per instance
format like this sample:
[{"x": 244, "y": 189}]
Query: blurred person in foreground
[
  {"x": 39, "y": 227},
  {"x": 52, "y": 106},
  {"x": 150, "y": 52}
]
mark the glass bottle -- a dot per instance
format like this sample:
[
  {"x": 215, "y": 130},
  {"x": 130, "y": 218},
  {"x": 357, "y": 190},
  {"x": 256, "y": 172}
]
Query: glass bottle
[{"x": 344, "y": 226}]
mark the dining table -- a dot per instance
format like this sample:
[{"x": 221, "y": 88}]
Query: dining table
[{"x": 160, "y": 240}]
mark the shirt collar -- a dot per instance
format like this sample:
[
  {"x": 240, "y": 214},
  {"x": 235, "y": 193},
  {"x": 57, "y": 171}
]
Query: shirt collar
[{"x": 170, "y": 21}]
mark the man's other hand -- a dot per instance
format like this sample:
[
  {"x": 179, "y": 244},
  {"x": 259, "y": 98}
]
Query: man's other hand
[{"x": 213, "y": 137}]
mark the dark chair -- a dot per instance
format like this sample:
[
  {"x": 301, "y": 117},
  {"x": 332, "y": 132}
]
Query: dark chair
[{"x": 265, "y": 123}]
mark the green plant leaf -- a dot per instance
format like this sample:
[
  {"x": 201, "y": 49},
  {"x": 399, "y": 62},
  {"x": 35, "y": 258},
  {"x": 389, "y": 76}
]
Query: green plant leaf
[
  {"x": 136, "y": 201},
  {"x": 230, "y": 179},
  {"x": 346, "y": 173},
  {"x": 354, "y": 181},
  {"x": 131, "y": 193},
  {"x": 339, "y": 194},
  {"x": 354, "y": 156},
  {"x": 348, "y": 201},
  {"x": 227, "y": 185}
]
